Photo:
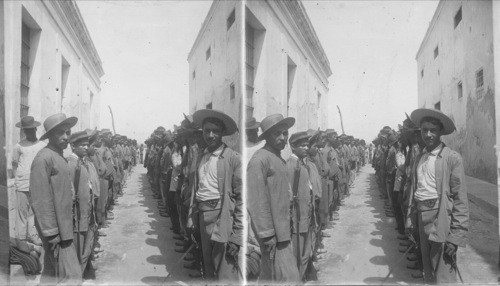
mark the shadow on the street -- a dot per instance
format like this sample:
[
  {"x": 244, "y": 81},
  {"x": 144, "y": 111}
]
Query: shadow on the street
[
  {"x": 385, "y": 227},
  {"x": 160, "y": 228}
]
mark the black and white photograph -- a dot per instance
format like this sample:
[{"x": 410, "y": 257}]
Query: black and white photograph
[{"x": 249, "y": 142}]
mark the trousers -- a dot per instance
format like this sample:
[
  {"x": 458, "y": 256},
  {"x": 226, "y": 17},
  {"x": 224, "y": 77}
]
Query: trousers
[
  {"x": 63, "y": 268},
  {"x": 324, "y": 202},
  {"x": 25, "y": 219},
  {"x": 280, "y": 269},
  {"x": 305, "y": 242},
  {"x": 218, "y": 265},
  {"x": 437, "y": 268}
]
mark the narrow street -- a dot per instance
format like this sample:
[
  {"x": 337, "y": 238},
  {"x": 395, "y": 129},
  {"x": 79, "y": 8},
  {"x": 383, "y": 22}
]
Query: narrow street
[
  {"x": 363, "y": 246},
  {"x": 138, "y": 246}
]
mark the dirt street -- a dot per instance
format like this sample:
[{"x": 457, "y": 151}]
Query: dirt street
[
  {"x": 363, "y": 246},
  {"x": 139, "y": 248}
]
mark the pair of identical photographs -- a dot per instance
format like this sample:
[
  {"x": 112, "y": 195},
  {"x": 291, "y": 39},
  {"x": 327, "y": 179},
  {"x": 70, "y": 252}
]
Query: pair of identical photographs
[{"x": 151, "y": 61}]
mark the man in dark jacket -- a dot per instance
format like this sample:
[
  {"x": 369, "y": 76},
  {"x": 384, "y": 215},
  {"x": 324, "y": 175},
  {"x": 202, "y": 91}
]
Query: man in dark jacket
[
  {"x": 52, "y": 194},
  {"x": 269, "y": 197}
]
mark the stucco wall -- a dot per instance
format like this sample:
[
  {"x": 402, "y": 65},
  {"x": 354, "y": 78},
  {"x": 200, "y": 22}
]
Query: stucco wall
[
  {"x": 279, "y": 44},
  {"x": 53, "y": 42},
  {"x": 215, "y": 75},
  {"x": 462, "y": 52}
]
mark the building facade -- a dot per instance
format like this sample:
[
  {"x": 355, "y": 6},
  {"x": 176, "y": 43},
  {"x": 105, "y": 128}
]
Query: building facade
[
  {"x": 287, "y": 69},
  {"x": 215, "y": 77},
  {"x": 51, "y": 65},
  {"x": 271, "y": 56},
  {"x": 456, "y": 75}
]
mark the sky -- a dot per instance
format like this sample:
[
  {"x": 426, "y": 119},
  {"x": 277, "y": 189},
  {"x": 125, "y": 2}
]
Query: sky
[
  {"x": 371, "y": 46},
  {"x": 143, "y": 46}
]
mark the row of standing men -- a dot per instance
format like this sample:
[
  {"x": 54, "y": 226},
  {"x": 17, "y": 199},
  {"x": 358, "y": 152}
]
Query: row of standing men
[
  {"x": 292, "y": 202},
  {"x": 196, "y": 179},
  {"x": 65, "y": 195},
  {"x": 423, "y": 183}
]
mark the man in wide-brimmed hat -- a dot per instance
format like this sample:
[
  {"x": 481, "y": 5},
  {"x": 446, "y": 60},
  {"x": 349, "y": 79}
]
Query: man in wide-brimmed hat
[
  {"x": 52, "y": 195},
  {"x": 252, "y": 133},
  {"x": 218, "y": 197},
  {"x": 269, "y": 197},
  {"x": 440, "y": 198},
  {"x": 22, "y": 157}
]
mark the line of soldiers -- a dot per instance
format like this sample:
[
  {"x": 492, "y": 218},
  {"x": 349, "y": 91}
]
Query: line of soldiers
[
  {"x": 68, "y": 197},
  {"x": 414, "y": 169},
  {"x": 291, "y": 202},
  {"x": 196, "y": 179}
]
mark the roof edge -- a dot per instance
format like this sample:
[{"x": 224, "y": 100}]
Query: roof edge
[
  {"x": 204, "y": 25},
  {"x": 430, "y": 28}
]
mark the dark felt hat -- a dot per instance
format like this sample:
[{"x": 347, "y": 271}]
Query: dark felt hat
[
  {"x": 273, "y": 121},
  {"x": 330, "y": 132},
  {"x": 92, "y": 133},
  {"x": 296, "y": 137},
  {"x": 57, "y": 120},
  {"x": 418, "y": 114},
  {"x": 28, "y": 122},
  {"x": 79, "y": 136},
  {"x": 252, "y": 123},
  {"x": 230, "y": 126},
  {"x": 105, "y": 131}
]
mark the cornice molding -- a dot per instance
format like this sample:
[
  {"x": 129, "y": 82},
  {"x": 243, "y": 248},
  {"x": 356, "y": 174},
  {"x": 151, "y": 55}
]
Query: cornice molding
[
  {"x": 299, "y": 21},
  {"x": 70, "y": 14}
]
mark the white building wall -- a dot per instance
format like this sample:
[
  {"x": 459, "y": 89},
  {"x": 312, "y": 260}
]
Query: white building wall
[
  {"x": 52, "y": 41},
  {"x": 215, "y": 75},
  {"x": 462, "y": 52},
  {"x": 281, "y": 42}
]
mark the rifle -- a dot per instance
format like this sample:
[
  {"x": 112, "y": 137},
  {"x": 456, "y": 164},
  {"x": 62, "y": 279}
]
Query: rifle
[
  {"x": 296, "y": 179},
  {"x": 76, "y": 182}
]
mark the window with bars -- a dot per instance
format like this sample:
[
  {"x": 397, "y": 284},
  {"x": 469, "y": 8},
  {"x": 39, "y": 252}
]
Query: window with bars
[
  {"x": 208, "y": 53},
  {"x": 249, "y": 64},
  {"x": 437, "y": 105},
  {"x": 232, "y": 91},
  {"x": 65, "y": 68},
  {"x": 479, "y": 78},
  {"x": 460, "y": 89},
  {"x": 458, "y": 17},
  {"x": 230, "y": 19},
  {"x": 25, "y": 69}
]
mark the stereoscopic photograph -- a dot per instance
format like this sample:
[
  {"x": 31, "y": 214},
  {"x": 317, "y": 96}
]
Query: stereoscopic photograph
[{"x": 249, "y": 142}]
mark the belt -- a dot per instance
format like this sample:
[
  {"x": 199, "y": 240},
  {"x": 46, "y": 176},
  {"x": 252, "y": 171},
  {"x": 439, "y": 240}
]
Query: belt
[
  {"x": 209, "y": 205},
  {"x": 428, "y": 205}
]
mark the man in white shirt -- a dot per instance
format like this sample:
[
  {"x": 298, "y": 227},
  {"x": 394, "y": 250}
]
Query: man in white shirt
[
  {"x": 23, "y": 155},
  {"x": 218, "y": 198},
  {"x": 440, "y": 198}
]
